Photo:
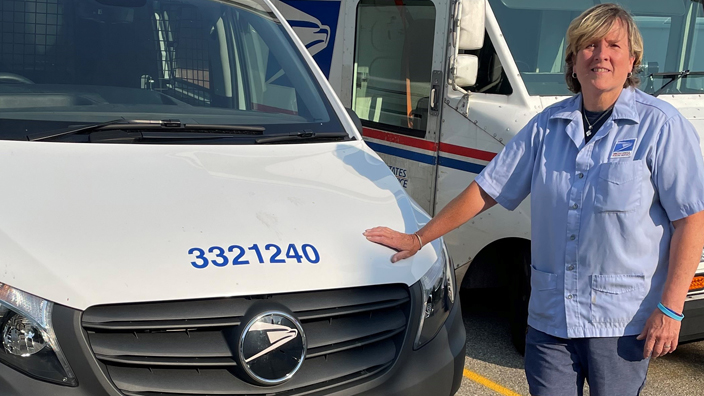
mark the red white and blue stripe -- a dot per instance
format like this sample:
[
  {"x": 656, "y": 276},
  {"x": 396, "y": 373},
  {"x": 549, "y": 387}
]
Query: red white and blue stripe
[{"x": 431, "y": 153}]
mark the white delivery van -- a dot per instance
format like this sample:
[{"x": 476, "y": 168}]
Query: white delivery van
[
  {"x": 442, "y": 85},
  {"x": 182, "y": 213}
]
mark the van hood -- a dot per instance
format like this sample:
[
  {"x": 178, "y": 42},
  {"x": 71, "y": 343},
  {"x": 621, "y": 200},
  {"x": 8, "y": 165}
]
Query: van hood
[{"x": 87, "y": 224}]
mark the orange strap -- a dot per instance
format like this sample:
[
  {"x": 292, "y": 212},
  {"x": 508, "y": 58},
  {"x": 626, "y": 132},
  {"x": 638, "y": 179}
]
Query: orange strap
[{"x": 406, "y": 67}]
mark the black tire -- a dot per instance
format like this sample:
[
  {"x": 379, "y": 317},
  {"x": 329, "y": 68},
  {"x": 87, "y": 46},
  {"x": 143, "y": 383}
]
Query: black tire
[{"x": 520, "y": 295}]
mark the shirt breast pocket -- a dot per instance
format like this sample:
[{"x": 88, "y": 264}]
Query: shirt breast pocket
[{"x": 619, "y": 186}]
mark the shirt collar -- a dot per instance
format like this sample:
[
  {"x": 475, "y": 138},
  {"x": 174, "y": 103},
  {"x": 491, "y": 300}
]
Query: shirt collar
[{"x": 624, "y": 109}]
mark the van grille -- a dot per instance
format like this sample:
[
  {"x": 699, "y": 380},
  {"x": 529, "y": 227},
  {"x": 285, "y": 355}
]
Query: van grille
[{"x": 188, "y": 347}]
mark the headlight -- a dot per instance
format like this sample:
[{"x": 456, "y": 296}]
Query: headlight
[
  {"x": 28, "y": 342},
  {"x": 438, "y": 287}
]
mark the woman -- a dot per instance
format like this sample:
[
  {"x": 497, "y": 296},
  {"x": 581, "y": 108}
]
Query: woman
[{"x": 616, "y": 180}]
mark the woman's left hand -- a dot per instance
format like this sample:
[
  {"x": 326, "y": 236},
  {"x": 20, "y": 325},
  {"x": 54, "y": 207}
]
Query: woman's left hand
[
  {"x": 661, "y": 334},
  {"x": 406, "y": 244}
]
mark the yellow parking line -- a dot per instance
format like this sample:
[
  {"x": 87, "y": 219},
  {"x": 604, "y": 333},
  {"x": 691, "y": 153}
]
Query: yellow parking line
[{"x": 488, "y": 383}]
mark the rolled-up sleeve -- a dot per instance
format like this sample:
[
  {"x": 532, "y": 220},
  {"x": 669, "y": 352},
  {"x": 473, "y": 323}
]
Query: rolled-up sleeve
[
  {"x": 678, "y": 171},
  {"x": 508, "y": 176}
]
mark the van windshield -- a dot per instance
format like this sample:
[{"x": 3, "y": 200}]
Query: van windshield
[
  {"x": 64, "y": 63},
  {"x": 673, "y": 36}
]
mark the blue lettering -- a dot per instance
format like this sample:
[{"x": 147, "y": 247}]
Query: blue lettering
[{"x": 310, "y": 253}]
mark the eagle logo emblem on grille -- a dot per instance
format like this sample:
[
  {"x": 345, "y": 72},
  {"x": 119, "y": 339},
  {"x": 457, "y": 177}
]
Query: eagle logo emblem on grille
[{"x": 272, "y": 347}]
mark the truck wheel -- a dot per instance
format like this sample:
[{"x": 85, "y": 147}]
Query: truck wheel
[{"x": 520, "y": 294}]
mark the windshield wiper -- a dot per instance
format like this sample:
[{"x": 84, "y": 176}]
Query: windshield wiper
[
  {"x": 121, "y": 136},
  {"x": 305, "y": 135},
  {"x": 673, "y": 76},
  {"x": 175, "y": 126}
]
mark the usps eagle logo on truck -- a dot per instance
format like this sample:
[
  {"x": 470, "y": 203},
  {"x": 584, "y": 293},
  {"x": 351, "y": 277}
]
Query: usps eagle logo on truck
[{"x": 315, "y": 23}]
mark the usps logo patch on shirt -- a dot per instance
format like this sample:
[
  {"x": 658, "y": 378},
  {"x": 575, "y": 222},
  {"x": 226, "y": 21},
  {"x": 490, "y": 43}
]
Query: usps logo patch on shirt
[{"x": 623, "y": 148}]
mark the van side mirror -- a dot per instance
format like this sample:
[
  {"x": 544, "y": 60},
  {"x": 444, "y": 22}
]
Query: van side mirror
[
  {"x": 471, "y": 21},
  {"x": 469, "y": 17},
  {"x": 466, "y": 69},
  {"x": 355, "y": 119}
]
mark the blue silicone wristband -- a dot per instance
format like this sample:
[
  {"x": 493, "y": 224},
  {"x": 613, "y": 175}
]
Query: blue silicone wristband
[
  {"x": 667, "y": 311},
  {"x": 672, "y": 310}
]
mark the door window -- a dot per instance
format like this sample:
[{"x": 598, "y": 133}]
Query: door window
[
  {"x": 393, "y": 64},
  {"x": 491, "y": 76}
]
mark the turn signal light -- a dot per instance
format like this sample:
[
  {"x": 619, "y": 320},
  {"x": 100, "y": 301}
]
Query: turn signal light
[{"x": 697, "y": 283}]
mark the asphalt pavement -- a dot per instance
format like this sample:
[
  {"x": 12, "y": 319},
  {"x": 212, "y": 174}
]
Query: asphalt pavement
[{"x": 493, "y": 367}]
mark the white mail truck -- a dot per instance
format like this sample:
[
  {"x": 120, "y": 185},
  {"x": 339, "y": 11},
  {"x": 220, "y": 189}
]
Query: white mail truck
[
  {"x": 182, "y": 208},
  {"x": 442, "y": 85}
]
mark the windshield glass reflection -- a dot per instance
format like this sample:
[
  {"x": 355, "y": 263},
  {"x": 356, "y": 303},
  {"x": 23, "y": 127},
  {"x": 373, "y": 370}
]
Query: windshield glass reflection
[
  {"x": 673, "y": 35},
  {"x": 66, "y": 62}
]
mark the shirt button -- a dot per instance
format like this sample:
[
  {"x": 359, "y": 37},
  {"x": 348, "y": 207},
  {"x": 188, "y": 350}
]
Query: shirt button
[
  {"x": 580, "y": 175},
  {"x": 569, "y": 296},
  {"x": 575, "y": 206},
  {"x": 573, "y": 237},
  {"x": 570, "y": 268}
]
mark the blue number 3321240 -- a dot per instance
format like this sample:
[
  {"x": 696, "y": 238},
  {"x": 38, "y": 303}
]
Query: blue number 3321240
[{"x": 238, "y": 255}]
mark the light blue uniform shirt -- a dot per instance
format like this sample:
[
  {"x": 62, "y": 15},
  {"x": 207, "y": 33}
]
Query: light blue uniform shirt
[{"x": 601, "y": 212}]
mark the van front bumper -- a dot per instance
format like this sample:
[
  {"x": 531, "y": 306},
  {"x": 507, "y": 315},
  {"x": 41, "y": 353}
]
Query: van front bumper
[{"x": 435, "y": 369}]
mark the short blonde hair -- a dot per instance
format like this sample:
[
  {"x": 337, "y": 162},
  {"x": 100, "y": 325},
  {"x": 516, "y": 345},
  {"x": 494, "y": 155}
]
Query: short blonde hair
[{"x": 593, "y": 24}]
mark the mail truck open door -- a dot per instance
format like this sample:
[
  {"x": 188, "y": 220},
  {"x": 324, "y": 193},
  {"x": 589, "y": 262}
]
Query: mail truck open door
[{"x": 397, "y": 79}]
